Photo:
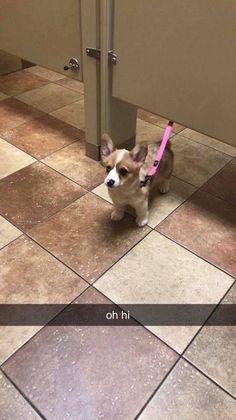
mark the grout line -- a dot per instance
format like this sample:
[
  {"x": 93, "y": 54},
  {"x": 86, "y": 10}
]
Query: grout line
[
  {"x": 138, "y": 322},
  {"x": 13, "y": 240},
  {"x": 23, "y": 395},
  {"x": 204, "y": 145},
  {"x": 157, "y": 388},
  {"x": 182, "y": 357},
  {"x": 194, "y": 253},
  {"x": 41, "y": 327},
  {"x": 208, "y": 377},
  {"x": 33, "y": 156},
  {"x": 57, "y": 82},
  {"x": 210, "y": 315},
  {"x": 40, "y": 87},
  {"x": 211, "y": 147}
]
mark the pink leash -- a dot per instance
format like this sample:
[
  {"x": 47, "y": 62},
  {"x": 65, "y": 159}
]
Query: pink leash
[{"x": 159, "y": 154}]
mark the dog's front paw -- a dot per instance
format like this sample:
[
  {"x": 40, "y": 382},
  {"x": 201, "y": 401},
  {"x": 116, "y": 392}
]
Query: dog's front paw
[
  {"x": 164, "y": 186},
  {"x": 116, "y": 216},
  {"x": 141, "y": 222}
]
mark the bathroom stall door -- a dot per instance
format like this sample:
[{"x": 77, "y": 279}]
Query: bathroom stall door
[
  {"x": 45, "y": 32},
  {"x": 178, "y": 59}
]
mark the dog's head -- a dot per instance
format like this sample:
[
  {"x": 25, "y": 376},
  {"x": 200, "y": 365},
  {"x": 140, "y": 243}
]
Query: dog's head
[{"x": 121, "y": 165}]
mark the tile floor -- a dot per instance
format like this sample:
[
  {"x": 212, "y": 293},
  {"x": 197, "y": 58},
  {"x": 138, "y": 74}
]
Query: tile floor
[{"x": 58, "y": 245}]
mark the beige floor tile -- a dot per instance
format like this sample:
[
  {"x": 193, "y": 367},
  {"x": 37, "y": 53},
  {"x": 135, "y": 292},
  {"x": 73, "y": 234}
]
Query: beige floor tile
[
  {"x": 72, "y": 114},
  {"x": 72, "y": 84},
  {"x": 161, "y": 205},
  {"x": 209, "y": 141},
  {"x": 12, "y": 404},
  {"x": 8, "y": 232},
  {"x": 214, "y": 349},
  {"x": 159, "y": 271},
  {"x": 50, "y": 75},
  {"x": 12, "y": 159},
  {"x": 156, "y": 119},
  {"x": 146, "y": 132},
  {"x": 49, "y": 98},
  {"x": 102, "y": 192},
  {"x": 2, "y": 96},
  {"x": 194, "y": 162},
  {"x": 187, "y": 395}
]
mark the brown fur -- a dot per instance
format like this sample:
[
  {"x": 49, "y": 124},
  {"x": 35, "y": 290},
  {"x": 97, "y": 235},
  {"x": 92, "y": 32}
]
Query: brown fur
[{"x": 137, "y": 164}]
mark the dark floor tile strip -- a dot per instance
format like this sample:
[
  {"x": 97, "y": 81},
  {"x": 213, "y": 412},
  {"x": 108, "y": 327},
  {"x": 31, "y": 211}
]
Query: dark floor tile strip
[
  {"x": 23, "y": 395},
  {"x": 34, "y": 157},
  {"x": 44, "y": 221},
  {"x": 56, "y": 109}
]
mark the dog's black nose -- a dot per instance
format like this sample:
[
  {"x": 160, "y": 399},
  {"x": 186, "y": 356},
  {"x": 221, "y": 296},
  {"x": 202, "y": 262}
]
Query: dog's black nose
[{"x": 111, "y": 182}]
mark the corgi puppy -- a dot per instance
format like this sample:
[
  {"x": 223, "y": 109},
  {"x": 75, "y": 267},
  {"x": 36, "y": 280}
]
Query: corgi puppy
[{"x": 125, "y": 171}]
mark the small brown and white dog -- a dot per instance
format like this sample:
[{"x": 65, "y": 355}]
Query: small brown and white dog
[{"x": 125, "y": 169}]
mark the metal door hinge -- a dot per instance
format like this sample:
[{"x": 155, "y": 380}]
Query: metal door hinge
[{"x": 96, "y": 53}]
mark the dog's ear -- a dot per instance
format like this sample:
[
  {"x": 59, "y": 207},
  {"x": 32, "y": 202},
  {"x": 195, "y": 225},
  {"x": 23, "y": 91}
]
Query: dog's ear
[
  {"x": 107, "y": 146},
  {"x": 139, "y": 153}
]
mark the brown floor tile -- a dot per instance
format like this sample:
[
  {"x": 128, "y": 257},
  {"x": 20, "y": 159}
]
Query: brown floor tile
[
  {"x": 207, "y": 226},
  {"x": 194, "y": 162},
  {"x": 146, "y": 132},
  {"x": 9, "y": 63},
  {"x": 43, "y": 136},
  {"x": 223, "y": 184},
  {"x": 72, "y": 114},
  {"x": 19, "y": 82},
  {"x": 50, "y": 75},
  {"x": 12, "y": 405},
  {"x": 156, "y": 119},
  {"x": 2, "y": 96},
  {"x": 188, "y": 395},
  {"x": 159, "y": 271},
  {"x": 28, "y": 274},
  {"x": 49, "y": 97},
  {"x": 90, "y": 372},
  {"x": 14, "y": 113},
  {"x": 12, "y": 159},
  {"x": 84, "y": 237},
  {"x": 72, "y": 84},
  {"x": 213, "y": 350},
  {"x": 33, "y": 194},
  {"x": 209, "y": 141},
  {"x": 72, "y": 162},
  {"x": 8, "y": 232}
]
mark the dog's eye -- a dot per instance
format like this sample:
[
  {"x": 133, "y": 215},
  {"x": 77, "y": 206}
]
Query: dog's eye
[
  {"x": 108, "y": 169},
  {"x": 123, "y": 171}
]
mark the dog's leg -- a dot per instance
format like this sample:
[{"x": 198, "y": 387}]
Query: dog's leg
[
  {"x": 118, "y": 212},
  {"x": 142, "y": 213},
  {"x": 164, "y": 185}
]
